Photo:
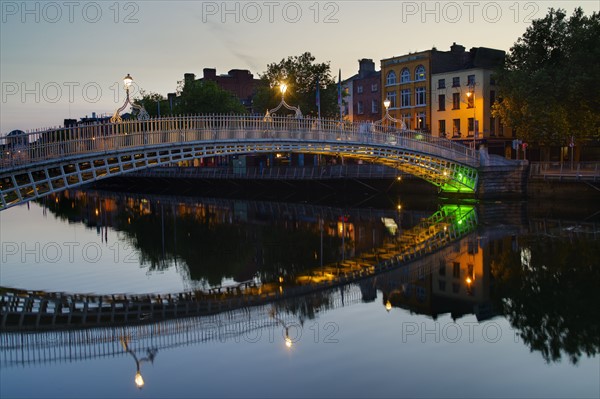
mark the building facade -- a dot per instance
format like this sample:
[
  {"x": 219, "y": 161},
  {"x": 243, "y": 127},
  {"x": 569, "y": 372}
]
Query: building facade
[
  {"x": 364, "y": 93},
  {"x": 405, "y": 83},
  {"x": 462, "y": 80}
]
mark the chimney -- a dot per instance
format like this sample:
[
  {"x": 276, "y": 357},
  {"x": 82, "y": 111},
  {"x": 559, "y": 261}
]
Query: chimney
[{"x": 457, "y": 48}]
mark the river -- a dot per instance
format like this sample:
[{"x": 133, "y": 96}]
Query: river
[{"x": 506, "y": 306}]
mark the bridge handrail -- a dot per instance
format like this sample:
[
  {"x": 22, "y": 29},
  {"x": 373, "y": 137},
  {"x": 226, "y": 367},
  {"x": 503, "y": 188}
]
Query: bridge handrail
[{"x": 41, "y": 145}]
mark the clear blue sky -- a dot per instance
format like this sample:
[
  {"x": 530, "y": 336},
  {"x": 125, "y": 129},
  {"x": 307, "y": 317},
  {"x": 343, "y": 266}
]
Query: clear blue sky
[{"x": 67, "y": 59}]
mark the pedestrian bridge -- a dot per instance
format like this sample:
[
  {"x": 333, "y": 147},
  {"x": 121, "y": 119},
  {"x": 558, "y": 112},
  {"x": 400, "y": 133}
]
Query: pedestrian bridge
[{"x": 35, "y": 164}]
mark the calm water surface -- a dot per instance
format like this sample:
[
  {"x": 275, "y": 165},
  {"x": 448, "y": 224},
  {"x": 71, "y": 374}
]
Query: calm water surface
[{"x": 508, "y": 309}]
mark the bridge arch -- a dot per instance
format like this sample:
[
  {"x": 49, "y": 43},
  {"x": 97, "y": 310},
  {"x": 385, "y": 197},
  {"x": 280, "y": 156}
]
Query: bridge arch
[{"x": 57, "y": 159}]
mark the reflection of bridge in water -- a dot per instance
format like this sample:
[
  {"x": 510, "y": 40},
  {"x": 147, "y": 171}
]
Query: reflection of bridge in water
[
  {"x": 41, "y": 310},
  {"x": 265, "y": 322}
]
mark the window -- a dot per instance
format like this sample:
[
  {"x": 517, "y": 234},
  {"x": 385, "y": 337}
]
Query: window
[
  {"x": 420, "y": 94},
  {"x": 442, "y": 102},
  {"x": 420, "y": 73},
  {"x": 492, "y": 80},
  {"x": 470, "y": 100},
  {"x": 500, "y": 128},
  {"x": 374, "y": 87},
  {"x": 406, "y": 120},
  {"x": 471, "y": 80},
  {"x": 456, "y": 270},
  {"x": 374, "y": 107},
  {"x": 492, "y": 97},
  {"x": 391, "y": 78},
  {"x": 359, "y": 107},
  {"x": 421, "y": 121},
  {"x": 455, "y": 127},
  {"x": 441, "y": 83},
  {"x": 455, "y": 288},
  {"x": 456, "y": 81},
  {"x": 391, "y": 95},
  {"x": 359, "y": 89},
  {"x": 492, "y": 126},
  {"x": 455, "y": 100},
  {"x": 471, "y": 126},
  {"x": 442, "y": 285},
  {"x": 442, "y": 127},
  {"x": 442, "y": 268},
  {"x": 405, "y": 102},
  {"x": 405, "y": 76}
]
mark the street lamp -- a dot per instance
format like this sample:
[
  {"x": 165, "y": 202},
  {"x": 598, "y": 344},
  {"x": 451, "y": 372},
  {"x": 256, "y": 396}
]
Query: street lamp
[
  {"x": 471, "y": 96},
  {"x": 142, "y": 114},
  {"x": 386, "y": 104},
  {"x": 282, "y": 103}
]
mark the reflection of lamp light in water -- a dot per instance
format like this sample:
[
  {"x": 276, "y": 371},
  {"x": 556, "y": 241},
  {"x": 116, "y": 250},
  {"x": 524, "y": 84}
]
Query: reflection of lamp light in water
[
  {"x": 388, "y": 305},
  {"x": 138, "y": 379},
  {"x": 287, "y": 339}
]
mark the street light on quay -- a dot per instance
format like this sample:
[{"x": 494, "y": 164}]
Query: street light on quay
[
  {"x": 471, "y": 97},
  {"x": 142, "y": 114}
]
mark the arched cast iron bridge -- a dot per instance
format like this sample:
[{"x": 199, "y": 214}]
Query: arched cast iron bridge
[{"x": 48, "y": 161}]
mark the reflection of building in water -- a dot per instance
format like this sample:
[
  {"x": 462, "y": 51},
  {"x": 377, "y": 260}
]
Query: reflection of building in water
[{"x": 455, "y": 280}]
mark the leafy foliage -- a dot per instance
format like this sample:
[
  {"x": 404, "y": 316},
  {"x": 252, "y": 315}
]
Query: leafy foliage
[
  {"x": 150, "y": 101},
  {"x": 300, "y": 74},
  {"x": 549, "y": 84},
  {"x": 206, "y": 97}
]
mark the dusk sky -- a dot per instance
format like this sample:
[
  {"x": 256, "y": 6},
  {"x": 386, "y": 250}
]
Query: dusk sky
[{"x": 67, "y": 59}]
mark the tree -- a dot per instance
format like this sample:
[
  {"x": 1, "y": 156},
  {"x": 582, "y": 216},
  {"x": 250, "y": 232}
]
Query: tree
[
  {"x": 548, "y": 86},
  {"x": 206, "y": 97},
  {"x": 152, "y": 102},
  {"x": 300, "y": 74}
]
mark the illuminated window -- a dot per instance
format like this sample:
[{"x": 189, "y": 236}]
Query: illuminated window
[
  {"x": 420, "y": 73},
  {"x": 456, "y": 127}
]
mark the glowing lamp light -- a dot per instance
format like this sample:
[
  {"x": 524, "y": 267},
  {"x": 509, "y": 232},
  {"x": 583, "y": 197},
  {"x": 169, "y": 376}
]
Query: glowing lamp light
[
  {"x": 282, "y": 88},
  {"x": 127, "y": 81},
  {"x": 469, "y": 94},
  {"x": 388, "y": 306},
  {"x": 288, "y": 341},
  {"x": 139, "y": 381},
  {"x": 386, "y": 103},
  {"x": 468, "y": 280}
]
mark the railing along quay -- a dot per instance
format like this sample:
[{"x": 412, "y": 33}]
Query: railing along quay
[
  {"x": 21, "y": 309},
  {"x": 580, "y": 171}
]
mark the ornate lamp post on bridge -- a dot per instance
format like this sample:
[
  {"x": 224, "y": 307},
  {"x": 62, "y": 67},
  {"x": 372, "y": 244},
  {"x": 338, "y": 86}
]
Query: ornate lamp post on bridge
[
  {"x": 386, "y": 104},
  {"x": 270, "y": 112},
  {"x": 142, "y": 114}
]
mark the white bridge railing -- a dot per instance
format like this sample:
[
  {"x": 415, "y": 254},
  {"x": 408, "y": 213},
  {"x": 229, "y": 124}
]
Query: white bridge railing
[{"x": 57, "y": 143}]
